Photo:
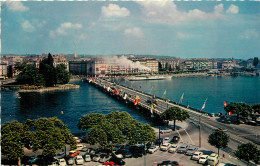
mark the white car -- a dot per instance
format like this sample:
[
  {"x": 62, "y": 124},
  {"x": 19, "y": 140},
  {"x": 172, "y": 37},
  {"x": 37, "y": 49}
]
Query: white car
[
  {"x": 173, "y": 149},
  {"x": 165, "y": 146},
  {"x": 166, "y": 139},
  {"x": 196, "y": 155},
  {"x": 62, "y": 162},
  {"x": 87, "y": 158},
  {"x": 79, "y": 147},
  {"x": 203, "y": 159},
  {"x": 59, "y": 155},
  {"x": 77, "y": 139},
  {"x": 153, "y": 149},
  {"x": 70, "y": 161},
  {"x": 79, "y": 160}
]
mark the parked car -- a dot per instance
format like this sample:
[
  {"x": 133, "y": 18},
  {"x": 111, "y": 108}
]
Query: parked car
[
  {"x": 53, "y": 163},
  {"x": 62, "y": 162},
  {"x": 87, "y": 158},
  {"x": 96, "y": 157},
  {"x": 104, "y": 158},
  {"x": 166, "y": 140},
  {"x": 117, "y": 160},
  {"x": 153, "y": 149},
  {"x": 79, "y": 146},
  {"x": 59, "y": 155},
  {"x": 173, "y": 148},
  {"x": 183, "y": 148},
  {"x": 70, "y": 160},
  {"x": 159, "y": 141},
  {"x": 253, "y": 123},
  {"x": 196, "y": 155},
  {"x": 79, "y": 160},
  {"x": 203, "y": 159},
  {"x": 126, "y": 153},
  {"x": 191, "y": 150},
  {"x": 33, "y": 159},
  {"x": 165, "y": 146},
  {"x": 77, "y": 139},
  {"x": 175, "y": 140},
  {"x": 109, "y": 163},
  {"x": 213, "y": 159},
  {"x": 167, "y": 130},
  {"x": 73, "y": 153},
  {"x": 84, "y": 149}
]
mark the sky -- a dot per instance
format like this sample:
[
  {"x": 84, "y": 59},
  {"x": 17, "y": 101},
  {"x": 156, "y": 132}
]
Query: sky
[{"x": 185, "y": 29}]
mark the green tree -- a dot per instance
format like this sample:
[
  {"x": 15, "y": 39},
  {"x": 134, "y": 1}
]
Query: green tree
[
  {"x": 48, "y": 71},
  {"x": 256, "y": 108},
  {"x": 20, "y": 66},
  {"x": 115, "y": 128},
  {"x": 255, "y": 61},
  {"x": 13, "y": 139},
  {"x": 30, "y": 75},
  {"x": 50, "y": 135},
  {"x": 160, "y": 66},
  {"x": 175, "y": 113},
  {"x": 247, "y": 152},
  {"x": 241, "y": 109},
  {"x": 63, "y": 76},
  {"x": 219, "y": 139}
]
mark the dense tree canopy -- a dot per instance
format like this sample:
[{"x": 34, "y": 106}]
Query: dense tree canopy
[
  {"x": 46, "y": 75},
  {"x": 241, "y": 109},
  {"x": 48, "y": 134},
  {"x": 219, "y": 139},
  {"x": 13, "y": 137},
  {"x": 30, "y": 75},
  {"x": 115, "y": 128},
  {"x": 248, "y": 152},
  {"x": 256, "y": 108},
  {"x": 175, "y": 113}
]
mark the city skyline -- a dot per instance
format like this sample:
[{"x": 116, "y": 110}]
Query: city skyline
[{"x": 178, "y": 29}]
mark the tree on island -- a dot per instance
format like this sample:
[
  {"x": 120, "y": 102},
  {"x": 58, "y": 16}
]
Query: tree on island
[
  {"x": 63, "y": 76},
  {"x": 30, "y": 75},
  {"x": 241, "y": 109},
  {"x": 219, "y": 139},
  {"x": 115, "y": 128},
  {"x": 248, "y": 152},
  {"x": 48, "y": 134},
  {"x": 175, "y": 113},
  {"x": 48, "y": 71},
  {"x": 47, "y": 75}
]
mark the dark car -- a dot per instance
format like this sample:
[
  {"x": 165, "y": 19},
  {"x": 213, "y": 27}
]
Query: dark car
[
  {"x": 175, "y": 140},
  {"x": 117, "y": 160},
  {"x": 168, "y": 163},
  {"x": 159, "y": 141}
]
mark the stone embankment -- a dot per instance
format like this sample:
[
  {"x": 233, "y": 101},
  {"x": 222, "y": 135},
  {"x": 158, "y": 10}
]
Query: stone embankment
[{"x": 26, "y": 89}]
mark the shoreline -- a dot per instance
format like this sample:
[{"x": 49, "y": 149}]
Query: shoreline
[{"x": 48, "y": 89}]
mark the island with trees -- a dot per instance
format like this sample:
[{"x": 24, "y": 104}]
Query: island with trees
[{"x": 45, "y": 78}]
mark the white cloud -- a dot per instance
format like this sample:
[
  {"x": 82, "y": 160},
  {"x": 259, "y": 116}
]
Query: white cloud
[
  {"x": 133, "y": 32},
  {"x": 27, "y": 26},
  {"x": 16, "y": 6},
  {"x": 233, "y": 9},
  {"x": 113, "y": 10},
  {"x": 249, "y": 33},
  {"x": 51, "y": 34},
  {"x": 67, "y": 26},
  {"x": 166, "y": 12}
]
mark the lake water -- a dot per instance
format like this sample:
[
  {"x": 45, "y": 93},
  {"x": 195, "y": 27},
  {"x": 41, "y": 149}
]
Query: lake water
[{"x": 87, "y": 99}]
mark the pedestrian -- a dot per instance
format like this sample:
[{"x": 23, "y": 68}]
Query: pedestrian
[{"x": 223, "y": 155}]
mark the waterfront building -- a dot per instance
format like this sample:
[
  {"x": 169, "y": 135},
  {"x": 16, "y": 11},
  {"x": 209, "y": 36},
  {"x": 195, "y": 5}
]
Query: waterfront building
[
  {"x": 3, "y": 69},
  {"x": 198, "y": 64},
  {"x": 151, "y": 63},
  {"x": 172, "y": 62}
]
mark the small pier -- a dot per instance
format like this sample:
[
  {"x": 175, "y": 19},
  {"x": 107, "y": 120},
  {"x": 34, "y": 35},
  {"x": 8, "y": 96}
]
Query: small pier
[{"x": 150, "y": 104}]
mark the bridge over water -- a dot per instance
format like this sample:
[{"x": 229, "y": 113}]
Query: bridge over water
[{"x": 246, "y": 133}]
